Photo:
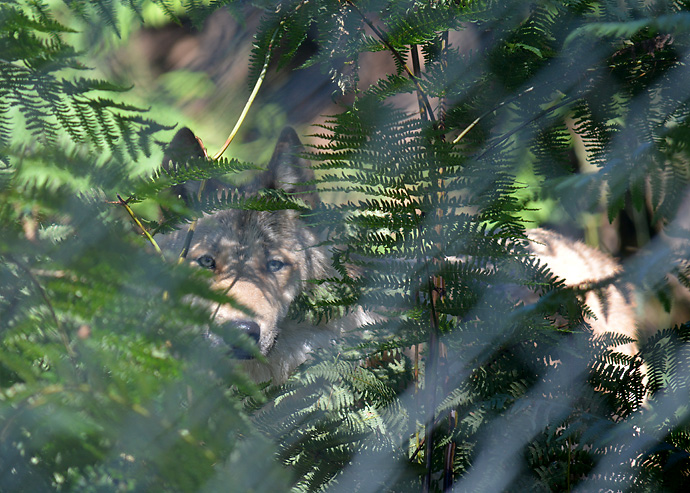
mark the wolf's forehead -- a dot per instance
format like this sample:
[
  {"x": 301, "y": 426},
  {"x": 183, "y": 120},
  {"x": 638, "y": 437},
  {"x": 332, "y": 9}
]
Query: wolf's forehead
[{"x": 233, "y": 229}]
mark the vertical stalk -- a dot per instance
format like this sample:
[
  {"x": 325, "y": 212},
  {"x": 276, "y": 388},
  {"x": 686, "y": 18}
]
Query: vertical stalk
[
  {"x": 62, "y": 333},
  {"x": 414, "y": 55},
  {"x": 250, "y": 101},
  {"x": 436, "y": 288},
  {"x": 449, "y": 456},
  {"x": 431, "y": 381}
]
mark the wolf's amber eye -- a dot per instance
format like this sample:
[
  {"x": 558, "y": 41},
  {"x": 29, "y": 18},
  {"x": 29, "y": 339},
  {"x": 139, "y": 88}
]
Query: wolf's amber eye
[
  {"x": 274, "y": 265},
  {"x": 207, "y": 262}
]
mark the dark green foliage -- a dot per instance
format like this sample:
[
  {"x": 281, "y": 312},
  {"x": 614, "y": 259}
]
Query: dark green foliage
[
  {"x": 476, "y": 372},
  {"x": 50, "y": 106}
]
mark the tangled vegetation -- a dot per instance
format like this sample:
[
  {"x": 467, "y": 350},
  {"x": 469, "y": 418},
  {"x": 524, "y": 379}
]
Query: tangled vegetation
[{"x": 106, "y": 381}]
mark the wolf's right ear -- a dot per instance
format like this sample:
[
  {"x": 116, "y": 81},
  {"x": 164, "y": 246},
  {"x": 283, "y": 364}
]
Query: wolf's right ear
[
  {"x": 288, "y": 171},
  {"x": 183, "y": 147}
]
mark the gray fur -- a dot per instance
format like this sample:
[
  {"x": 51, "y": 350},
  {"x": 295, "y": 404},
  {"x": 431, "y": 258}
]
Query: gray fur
[{"x": 242, "y": 243}]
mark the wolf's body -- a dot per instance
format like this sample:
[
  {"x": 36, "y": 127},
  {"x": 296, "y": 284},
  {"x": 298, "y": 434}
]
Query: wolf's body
[
  {"x": 263, "y": 259},
  {"x": 580, "y": 265}
]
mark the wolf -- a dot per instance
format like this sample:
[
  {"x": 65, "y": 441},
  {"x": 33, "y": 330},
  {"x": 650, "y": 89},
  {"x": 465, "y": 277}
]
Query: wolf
[{"x": 263, "y": 259}]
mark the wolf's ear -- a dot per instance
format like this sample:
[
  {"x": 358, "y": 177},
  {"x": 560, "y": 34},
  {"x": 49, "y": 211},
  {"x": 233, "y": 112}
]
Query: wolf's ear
[
  {"x": 288, "y": 171},
  {"x": 183, "y": 147}
]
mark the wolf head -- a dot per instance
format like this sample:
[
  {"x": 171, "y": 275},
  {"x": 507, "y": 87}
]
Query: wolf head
[{"x": 259, "y": 259}]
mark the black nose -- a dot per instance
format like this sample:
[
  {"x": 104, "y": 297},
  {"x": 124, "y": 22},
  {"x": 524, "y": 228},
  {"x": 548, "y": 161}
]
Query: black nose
[
  {"x": 227, "y": 332},
  {"x": 250, "y": 328}
]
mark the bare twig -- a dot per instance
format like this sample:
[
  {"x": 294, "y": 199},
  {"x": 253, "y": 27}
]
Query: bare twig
[
  {"x": 488, "y": 112},
  {"x": 542, "y": 113},
  {"x": 129, "y": 210},
  {"x": 228, "y": 141},
  {"x": 192, "y": 226},
  {"x": 431, "y": 377},
  {"x": 449, "y": 457},
  {"x": 384, "y": 39},
  {"x": 417, "y": 450},
  {"x": 58, "y": 326},
  {"x": 250, "y": 101},
  {"x": 417, "y": 72}
]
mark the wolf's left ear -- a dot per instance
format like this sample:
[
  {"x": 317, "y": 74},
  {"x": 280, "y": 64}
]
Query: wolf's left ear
[{"x": 288, "y": 171}]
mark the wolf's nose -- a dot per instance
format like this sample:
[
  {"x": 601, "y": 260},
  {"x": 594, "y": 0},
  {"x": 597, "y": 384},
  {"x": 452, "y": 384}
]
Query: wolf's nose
[{"x": 251, "y": 328}]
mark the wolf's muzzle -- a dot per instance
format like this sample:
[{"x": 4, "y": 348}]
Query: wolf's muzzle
[{"x": 249, "y": 327}]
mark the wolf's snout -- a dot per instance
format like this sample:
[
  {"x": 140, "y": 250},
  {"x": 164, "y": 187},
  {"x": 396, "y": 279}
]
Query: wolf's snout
[{"x": 250, "y": 328}]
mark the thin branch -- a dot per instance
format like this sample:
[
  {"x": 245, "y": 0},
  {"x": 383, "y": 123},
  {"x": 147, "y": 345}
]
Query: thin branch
[
  {"x": 129, "y": 210},
  {"x": 228, "y": 141},
  {"x": 443, "y": 103},
  {"x": 250, "y": 101},
  {"x": 192, "y": 226},
  {"x": 431, "y": 377},
  {"x": 60, "y": 329},
  {"x": 542, "y": 113},
  {"x": 384, "y": 39},
  {"x": 449, "y": 457},
  {"x": 436, "y": 286},
  {"x": 414, "y": 54},
  {"x": 488, "y": 112},
  {"x": 417, "y": 450}
]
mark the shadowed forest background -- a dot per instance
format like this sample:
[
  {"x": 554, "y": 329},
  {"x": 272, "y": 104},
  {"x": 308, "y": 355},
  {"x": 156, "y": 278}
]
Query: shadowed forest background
[{"x": 439, "y": 132}]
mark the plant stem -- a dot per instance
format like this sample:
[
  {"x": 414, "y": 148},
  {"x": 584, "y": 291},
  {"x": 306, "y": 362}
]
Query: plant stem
[
  {"x": 228, "y": 141},
  {"x": 431, "y": 378},
  {"x": 384, "y": 39},
  {"x": 192, "y": 226},
  {"x": 542, "y": 113},
  {"x": 129, "y": 210},
  {"x": 488, "y": 112},
  {"x": 414, "y": 54},
  {"x": 58, "y": 326},
  {"x": 250, "y": 101}
]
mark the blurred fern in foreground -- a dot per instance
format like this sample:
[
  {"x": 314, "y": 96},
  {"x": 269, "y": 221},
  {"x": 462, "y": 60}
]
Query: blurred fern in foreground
[{"x": 107, "y": 383}]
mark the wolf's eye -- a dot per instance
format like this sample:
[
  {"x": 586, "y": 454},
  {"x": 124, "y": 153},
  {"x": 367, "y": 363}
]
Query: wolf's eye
[
  {"x": 274, "y": 265},
  {"x": 207, "y": 262}
]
